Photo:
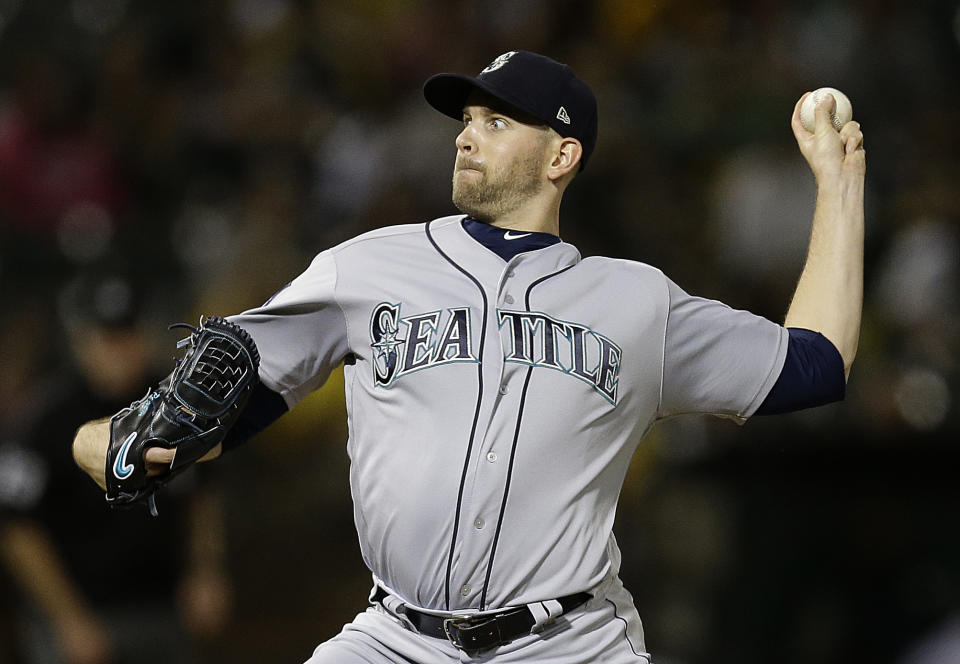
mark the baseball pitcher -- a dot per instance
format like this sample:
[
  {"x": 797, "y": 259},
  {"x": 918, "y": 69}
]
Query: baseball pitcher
[{"x": 497, "y": 384}]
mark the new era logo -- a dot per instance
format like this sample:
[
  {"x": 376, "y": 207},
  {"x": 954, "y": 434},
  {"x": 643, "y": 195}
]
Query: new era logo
[{"x": 562, "y": 116}]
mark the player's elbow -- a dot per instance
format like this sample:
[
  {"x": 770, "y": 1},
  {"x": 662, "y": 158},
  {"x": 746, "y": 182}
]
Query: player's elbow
[
  {"x": 848, "y": 363},
  {"x": 848, "y": 352}
]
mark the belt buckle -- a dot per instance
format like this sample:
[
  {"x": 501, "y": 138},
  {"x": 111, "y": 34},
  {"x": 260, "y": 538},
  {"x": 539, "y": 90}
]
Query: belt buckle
[{"x": 472, "y": 634}]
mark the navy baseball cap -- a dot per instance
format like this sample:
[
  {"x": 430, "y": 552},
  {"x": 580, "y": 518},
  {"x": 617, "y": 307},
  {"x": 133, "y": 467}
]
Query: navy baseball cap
[{"x": 535, "y": 84}]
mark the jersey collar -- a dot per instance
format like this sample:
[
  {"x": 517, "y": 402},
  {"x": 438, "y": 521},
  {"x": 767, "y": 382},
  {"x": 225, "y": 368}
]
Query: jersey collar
[
  {"x": 507, "y": 243},
  {"x": 454, "y": 241}
]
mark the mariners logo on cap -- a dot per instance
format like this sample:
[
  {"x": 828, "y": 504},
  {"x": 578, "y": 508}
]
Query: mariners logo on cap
[{"x": 499, "y": 62}]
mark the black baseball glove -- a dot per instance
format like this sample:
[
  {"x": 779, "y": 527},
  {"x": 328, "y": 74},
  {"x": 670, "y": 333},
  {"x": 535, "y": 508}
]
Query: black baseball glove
[{"x": 190, "y": 412}]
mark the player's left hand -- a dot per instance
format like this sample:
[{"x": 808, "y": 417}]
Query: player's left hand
[
  {"x": 830, "y": 154},
  {"x": 158, "y": 459},
  {"x": 90, "y": 452}
]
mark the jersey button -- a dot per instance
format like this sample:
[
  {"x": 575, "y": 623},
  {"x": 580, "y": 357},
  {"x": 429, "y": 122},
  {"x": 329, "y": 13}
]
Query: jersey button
[
  {"x": 503, "y": 389},
  {"x": 465, "y": 589},
  {"x": 479, "y": 524},
  {"x": 491, "y": 456},
  {"x": 508, "y": 299}
]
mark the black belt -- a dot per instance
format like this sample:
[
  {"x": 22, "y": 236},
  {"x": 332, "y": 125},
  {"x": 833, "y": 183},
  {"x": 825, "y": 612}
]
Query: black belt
[{"x": 475, "y": 633}]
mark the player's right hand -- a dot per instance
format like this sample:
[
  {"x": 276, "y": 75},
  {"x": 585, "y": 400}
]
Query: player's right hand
[{"x": 829, "y": 153}]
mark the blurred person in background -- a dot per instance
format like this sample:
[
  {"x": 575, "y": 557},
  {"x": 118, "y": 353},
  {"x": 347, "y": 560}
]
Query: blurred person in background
[
  {"x": 77, "y": 605},
  {"x": 61, "y": 188}
]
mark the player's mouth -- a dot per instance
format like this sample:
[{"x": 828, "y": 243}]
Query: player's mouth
[{"x": 465, "y": 165}]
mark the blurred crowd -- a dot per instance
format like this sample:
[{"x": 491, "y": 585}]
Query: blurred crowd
[{"x": 163, "y": 160}]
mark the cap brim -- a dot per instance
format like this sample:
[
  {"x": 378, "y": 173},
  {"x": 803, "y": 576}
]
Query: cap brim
[{"x": 448, "y": 93}]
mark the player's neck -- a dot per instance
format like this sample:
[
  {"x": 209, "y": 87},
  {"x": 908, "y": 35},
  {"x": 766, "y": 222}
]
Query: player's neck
[{"x": 536, "y": 217}]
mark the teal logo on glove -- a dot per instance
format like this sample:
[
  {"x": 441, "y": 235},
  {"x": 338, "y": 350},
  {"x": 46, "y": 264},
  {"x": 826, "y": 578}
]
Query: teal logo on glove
[{"x": 121, "y": 468}]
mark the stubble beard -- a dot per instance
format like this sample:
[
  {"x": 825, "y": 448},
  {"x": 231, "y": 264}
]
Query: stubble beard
[{"x": 492, "y": 195}]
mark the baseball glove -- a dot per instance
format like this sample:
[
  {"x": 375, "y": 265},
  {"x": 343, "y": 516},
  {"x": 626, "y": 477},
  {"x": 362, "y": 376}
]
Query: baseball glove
[{"x": 190, "y": 412}]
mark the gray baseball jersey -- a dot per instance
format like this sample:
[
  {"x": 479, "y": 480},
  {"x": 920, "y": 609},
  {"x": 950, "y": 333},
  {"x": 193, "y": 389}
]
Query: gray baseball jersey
[{"x": 494, "y": 406}]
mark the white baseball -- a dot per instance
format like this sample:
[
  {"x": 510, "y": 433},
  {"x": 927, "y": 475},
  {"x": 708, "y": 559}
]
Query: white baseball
[{"x": 841, "y": 115}]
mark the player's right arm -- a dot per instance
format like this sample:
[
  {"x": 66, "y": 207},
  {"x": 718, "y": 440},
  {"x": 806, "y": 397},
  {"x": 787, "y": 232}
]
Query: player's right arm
[
  {"x": 829, "y": 294},
  {"x": 724, "y": 362}
]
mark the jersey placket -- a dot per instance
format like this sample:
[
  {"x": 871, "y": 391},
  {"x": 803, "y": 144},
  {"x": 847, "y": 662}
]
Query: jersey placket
[
  {"x": 486, "y": 495},
  {"x": 486, "y": 473},
  {"x": 485, "y": 476}
]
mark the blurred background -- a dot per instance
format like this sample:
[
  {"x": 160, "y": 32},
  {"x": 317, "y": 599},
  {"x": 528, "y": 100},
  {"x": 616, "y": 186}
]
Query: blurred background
[{"x": 162, "y": 160}]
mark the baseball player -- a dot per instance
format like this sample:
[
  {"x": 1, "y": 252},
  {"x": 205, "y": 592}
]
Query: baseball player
[{"x": 497, "y": 384}]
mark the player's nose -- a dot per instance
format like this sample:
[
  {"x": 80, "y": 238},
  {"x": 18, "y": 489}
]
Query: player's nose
[{"x": 465, "y": 140}]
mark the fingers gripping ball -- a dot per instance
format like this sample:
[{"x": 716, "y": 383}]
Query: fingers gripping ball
[
  {"x": 190, "y": 412},
  {"x": 842, "y": 114}
]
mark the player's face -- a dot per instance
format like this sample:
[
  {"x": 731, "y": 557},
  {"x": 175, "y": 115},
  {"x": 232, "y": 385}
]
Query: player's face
[{"x": 501, "y": 162}]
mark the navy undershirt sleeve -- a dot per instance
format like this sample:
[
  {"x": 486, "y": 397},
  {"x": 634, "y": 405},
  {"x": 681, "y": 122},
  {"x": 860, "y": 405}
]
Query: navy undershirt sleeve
[
  {"x": 263, "y": 409},
  {"x": 812, "y": 375}
]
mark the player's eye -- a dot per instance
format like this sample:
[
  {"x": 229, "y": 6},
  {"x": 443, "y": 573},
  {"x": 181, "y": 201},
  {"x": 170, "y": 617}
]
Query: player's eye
[{"x": 498, "y": 123}]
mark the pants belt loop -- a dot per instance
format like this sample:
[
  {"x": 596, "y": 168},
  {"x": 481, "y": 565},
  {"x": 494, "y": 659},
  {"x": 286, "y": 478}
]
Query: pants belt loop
[
  {"x": 544, "y": 614},
  {"x": 396, "y": 606}
]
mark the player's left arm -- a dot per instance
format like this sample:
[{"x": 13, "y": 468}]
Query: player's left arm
[
  {"x": 263, "y": 409},
  {"x": 829, "y": 295},
  {"x": 92, "y": 439}
]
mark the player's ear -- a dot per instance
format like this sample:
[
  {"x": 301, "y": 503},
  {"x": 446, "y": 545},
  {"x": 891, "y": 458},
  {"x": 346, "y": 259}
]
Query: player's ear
[{"x": 565, "y": 158}]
